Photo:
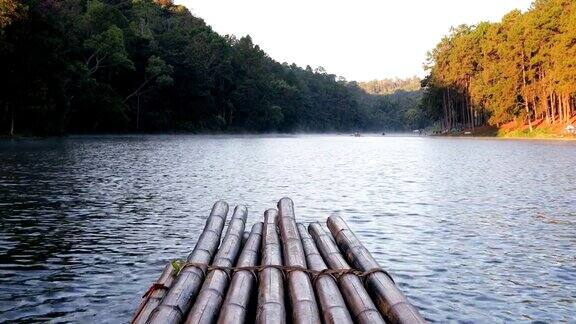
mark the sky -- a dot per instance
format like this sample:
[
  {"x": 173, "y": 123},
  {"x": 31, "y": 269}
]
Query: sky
[{"x": 360, "y": 40}]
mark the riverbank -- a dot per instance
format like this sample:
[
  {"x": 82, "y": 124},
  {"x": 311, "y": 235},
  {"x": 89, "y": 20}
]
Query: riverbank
[
  {"x": 540, "y": 131},
  {"x": 511, "y": 138}
]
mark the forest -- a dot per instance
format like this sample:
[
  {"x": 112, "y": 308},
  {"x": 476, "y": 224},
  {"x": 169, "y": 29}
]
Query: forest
[
  {"x": 115, "y": 66},
  {"x": 521, "y": 70}
]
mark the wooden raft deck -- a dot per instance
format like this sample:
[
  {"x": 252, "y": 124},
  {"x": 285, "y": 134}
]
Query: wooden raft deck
[{"x": 278, "y": 272}]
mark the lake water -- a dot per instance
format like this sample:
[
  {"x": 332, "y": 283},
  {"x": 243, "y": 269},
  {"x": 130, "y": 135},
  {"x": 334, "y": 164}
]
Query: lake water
[{"x": 471, "y": 229}]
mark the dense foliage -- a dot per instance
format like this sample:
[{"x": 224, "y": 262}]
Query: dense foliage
[
  {"x": 521, "y": 69},
  {"x": 392, "y": 105},
  {"x": 390, "y": 86},
  {"x": 142, "y": 65}
]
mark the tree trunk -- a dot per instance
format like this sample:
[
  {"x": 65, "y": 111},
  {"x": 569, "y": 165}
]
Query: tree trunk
[
  {"x": 569, "y": 104},
  {"x": 528, "y": 115},
  {"x": 449, "y": 109},
  {"x": 545, "y": 108},
  {"x": 565, "y": 105},
  {"x": 558, "y": 103},
  {"x": 11, "y": 133},
  {"x": 470, "y": 107},
  {"x": 231, "y": 116},
  {"x": 526, "y": 106},
  {"x": 138, "y": 112},
  {"x": 550, "y": 104},
  {"x": 444, "y": 110}
]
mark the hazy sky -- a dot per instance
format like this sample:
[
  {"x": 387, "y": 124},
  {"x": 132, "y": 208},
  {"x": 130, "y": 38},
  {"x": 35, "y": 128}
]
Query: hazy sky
[{"x": 360, "y": 40}]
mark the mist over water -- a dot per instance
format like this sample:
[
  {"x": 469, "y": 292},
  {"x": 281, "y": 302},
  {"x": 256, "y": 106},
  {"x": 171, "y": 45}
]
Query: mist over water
[{"x": 471, "y": 229}]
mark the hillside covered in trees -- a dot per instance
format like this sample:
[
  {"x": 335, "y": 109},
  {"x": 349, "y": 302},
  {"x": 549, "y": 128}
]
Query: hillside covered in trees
[
  {"x": 94, "y": 66},
  {"x": 521, "y": 70},
  {"x": 395, "y": 102},
  {"x": 390, "y": 86}
]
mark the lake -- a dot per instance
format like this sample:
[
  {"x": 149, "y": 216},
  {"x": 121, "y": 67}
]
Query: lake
[{"x": 476, "y": 230}]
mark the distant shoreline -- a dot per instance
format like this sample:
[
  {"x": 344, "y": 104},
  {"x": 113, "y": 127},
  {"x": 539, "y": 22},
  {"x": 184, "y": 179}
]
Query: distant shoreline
[
  {"x": 513, "y": 132},
  {"x": 341, "y": 134},
  {"x": 524, "y": 138}
]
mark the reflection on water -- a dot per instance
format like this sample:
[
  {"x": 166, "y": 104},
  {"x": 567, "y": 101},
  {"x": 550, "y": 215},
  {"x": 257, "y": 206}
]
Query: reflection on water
[{"x": 479, "y": 230}]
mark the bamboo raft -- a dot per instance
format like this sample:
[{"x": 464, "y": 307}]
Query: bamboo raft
[{"x": 278, "y": 272}]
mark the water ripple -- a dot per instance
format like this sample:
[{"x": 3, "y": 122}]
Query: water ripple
[{"x": 472, "y": 230}]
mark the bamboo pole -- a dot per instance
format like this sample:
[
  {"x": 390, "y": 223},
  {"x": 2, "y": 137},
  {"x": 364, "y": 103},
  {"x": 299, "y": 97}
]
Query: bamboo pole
[
  {"x": 390, "y": 300},
  {"x": 235, "y": 307},
  {"x": 300, "y": 290},
  {"x": 334, "y": 310},
  {"x": 205, "y": 309},
  {"x": 271, "y": 307},
  {"x": 179, "y": 298},
  {"x": 359, "y": 302},
  {"x": 154, "y": 296}
]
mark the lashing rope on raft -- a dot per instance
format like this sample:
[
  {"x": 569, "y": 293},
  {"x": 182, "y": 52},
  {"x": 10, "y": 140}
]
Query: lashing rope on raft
[
  {"x": 155, "y": 286},
  {"x": 335, "y": 273},
  {"x": 180, "y": 265}
]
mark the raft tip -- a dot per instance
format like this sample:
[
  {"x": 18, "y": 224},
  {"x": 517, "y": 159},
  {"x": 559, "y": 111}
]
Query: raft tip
[
  {"x": 241, "y": 207},
  {"x": 220, "y": 202},
  {"x": 334, "y": 218},
  {"x": 285, "y": 200}
]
